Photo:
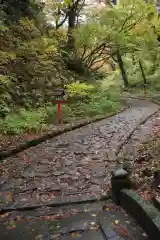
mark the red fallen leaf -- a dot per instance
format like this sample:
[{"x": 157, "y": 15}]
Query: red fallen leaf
[
  {"x": 4, "y": 215},
  {"x": 121, "y": 231}
]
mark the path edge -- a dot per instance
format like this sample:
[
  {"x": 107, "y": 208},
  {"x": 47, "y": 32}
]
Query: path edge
[
  {"x": 144, "y": 212},
  {"x": 141, "y": 123},
  {"x": 143, "y": 98}
]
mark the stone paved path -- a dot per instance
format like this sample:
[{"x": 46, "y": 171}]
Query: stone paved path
[
  {"x": 151, "y": 128},
  {"x": 111, "y": 223},
  {"x": 143, "y": 157},
  {"x": 74, "y": 166}
]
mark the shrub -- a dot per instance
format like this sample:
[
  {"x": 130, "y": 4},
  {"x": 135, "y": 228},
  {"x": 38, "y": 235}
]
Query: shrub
[
  {"x": 31, "y": 65},
  {"x": 78, "y": 90},
  {"x": 24, "y": 121},
  {"x": 32, "y": 120}
]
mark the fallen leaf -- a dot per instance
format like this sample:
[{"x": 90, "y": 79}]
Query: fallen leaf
[
  {"x": 76, "y": 234},
  {"x": 107, "y": 209},
  {"x": 116, "y": 222},
  {"x": 39, "y": 237}
]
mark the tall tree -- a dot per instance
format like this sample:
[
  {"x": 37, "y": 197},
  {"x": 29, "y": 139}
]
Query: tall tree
[{"x": 65, "y": 12}]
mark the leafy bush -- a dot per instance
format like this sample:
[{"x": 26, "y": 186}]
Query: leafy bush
[
  {"x": 80, "y": 90},
  {"x": 24, "y": 121},
  {"x": 31, "y": 65},
  {"x": 32, "y": 120},
  {"x": 101, "y": 107}
]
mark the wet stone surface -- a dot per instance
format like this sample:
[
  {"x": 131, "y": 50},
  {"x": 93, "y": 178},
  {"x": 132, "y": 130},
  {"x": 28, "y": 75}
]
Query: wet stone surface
[
  {"x": 151, "y": 128},
  {"x": 142, "y": 153},
  {"x": 76, "y": 163},
  {"x": 91, "y": 222}
]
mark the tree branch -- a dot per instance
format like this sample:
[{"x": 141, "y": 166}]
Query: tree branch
[
  {"x": 127, "y": 18},
  {"x": 58, "y": 25}
]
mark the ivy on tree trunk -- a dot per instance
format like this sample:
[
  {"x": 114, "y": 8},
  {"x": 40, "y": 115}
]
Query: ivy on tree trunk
[
  {"x": 122, "y": 68},
  {"x": 71, "y": 27},
  {"x": 143, "y": 74}
]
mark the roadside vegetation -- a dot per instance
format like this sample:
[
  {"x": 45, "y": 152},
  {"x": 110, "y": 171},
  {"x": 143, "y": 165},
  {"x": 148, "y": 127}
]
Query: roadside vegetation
[
  {"x": 117, "y": 49},
  {"x": 146, "y": 168}
]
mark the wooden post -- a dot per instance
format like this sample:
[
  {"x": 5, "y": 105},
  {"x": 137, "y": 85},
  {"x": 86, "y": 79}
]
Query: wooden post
[
  {"x": 60, "y": 99},
  {"x": 59, "y": 102}
]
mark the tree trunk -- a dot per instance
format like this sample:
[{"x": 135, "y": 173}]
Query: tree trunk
[
  {"x": 154, "y": 66},
  {"x": 122, "y": 69},
  {"x": 71, "y": 27},
  {"x": 143, "y": 74},
  {"x": 133, "y": 59}
]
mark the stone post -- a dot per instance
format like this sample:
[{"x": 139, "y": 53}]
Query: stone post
[{"x": 120, "y": 180}]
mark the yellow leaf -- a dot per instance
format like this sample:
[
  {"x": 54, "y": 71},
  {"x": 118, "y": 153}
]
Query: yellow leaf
[
  {"x": 75, "y": 234},
  {"x": 107, "y": 209},
  {"x": 116, "y": 222}
]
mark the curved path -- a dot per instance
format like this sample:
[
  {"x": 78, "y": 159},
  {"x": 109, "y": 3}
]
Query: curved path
[{"x": 74, "y": 166}]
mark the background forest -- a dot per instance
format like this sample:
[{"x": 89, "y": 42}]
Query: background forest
[{"x": 97, "y": 50}]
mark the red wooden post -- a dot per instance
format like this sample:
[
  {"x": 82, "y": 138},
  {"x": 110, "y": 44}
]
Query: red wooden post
[
  {"x": 59, "y": 102},
  {"x": 59, "y": 113}
]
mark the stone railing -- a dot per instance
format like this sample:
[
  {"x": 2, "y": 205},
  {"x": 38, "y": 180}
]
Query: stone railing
[{"x": 144, "y": 212}]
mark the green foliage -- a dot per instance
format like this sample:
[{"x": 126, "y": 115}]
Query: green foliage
[
  {"x": 127, "y": 28},
  {"x": 34, "y": 61},
  {"x": 24, "y": 121},
  {"x": 79, "y": 89},
  {"x": 100, "y": 105},
  {"x": 30, "y": 65},
  {"x": 31, "y": 120}
]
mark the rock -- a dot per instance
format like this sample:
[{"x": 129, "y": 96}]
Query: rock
[
  {"x": 62, "y": 145},
  {"x": 127, "y": 166},
  {"x": 5, "y": 197},
  {"x": 54, "y": 236},
  {"x": 28, "y": 172},
  {"x": 99, "y": 171},
  {"x": 68, "y": 163},
  {"x": 95, "y": 189},
  {"x": 46, "y": 161},
  {"x": 43, "y": 174},
  {"x": 44, "y": 198},
  {"x": 23, "y": 197},
  {"x": 42, "y": 169},
  {"x": 39, "y": 237},
  {"x": 120, "y": 173},
  {"x": 76, "y": 226},
  {"x": 58, "y": 173},
  {"x": 7, "y": 186},
  {"x": 95, "y": 158},
  {"x": 35, "y": 197},
  {"x": 48, "y": 184},
  {"x": 64, "y": 187}
]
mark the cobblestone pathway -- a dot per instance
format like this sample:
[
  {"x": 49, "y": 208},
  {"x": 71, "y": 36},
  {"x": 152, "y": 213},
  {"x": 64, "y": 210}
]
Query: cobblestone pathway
[
  {"x": 74, "y": 166},
  {"x": 94, "y": 223},
  {"x": 151, "y": 128}
]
